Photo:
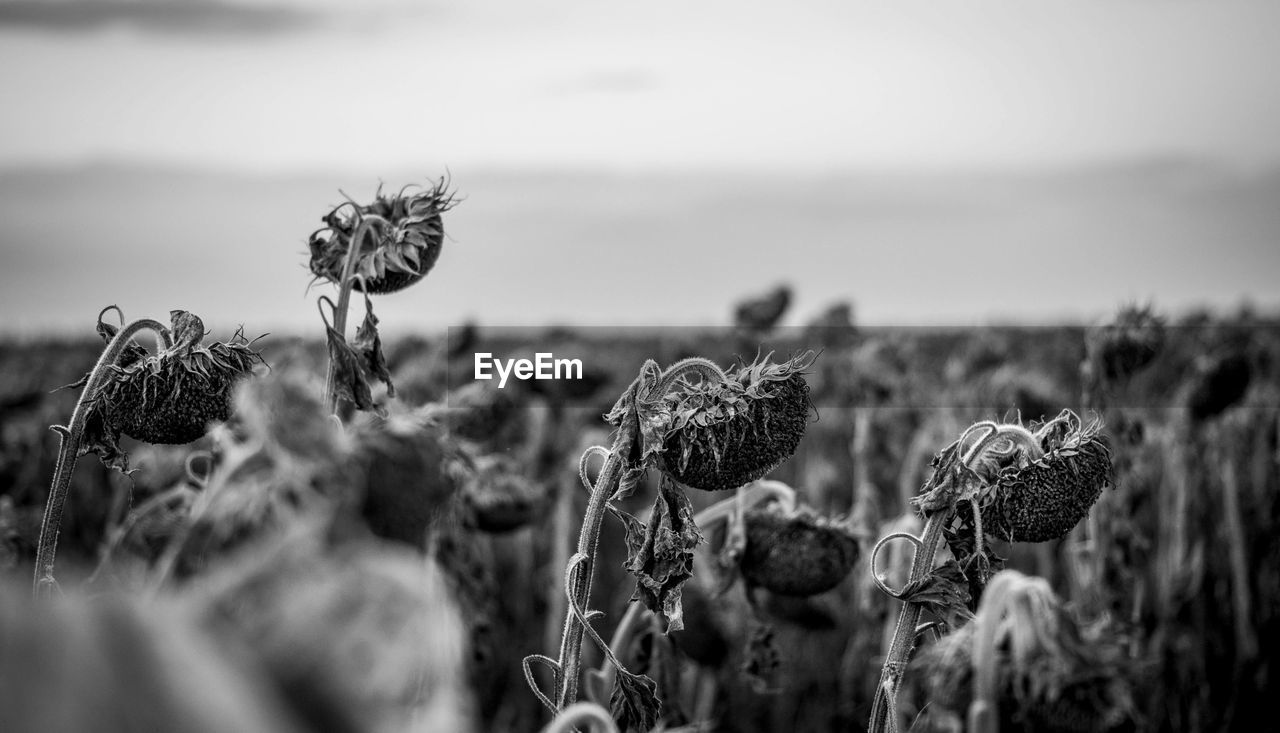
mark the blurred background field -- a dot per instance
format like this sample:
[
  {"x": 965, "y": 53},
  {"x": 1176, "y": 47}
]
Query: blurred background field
[{"x": 1181, "y": 556}]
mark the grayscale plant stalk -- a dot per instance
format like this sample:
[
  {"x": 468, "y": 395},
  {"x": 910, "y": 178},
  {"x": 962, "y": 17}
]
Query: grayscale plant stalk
[
  {"x": 344, "y": 303},
  {"x": 884, "y": 709},
  {"x": 71, "y": 436}
]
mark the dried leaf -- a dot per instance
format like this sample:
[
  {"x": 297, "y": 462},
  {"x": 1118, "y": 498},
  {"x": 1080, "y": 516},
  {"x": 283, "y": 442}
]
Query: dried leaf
[
  {"x": 100, "y": 439},
  {"x": 663, "y": 560},
  {"x": 368, "y": 346},
  {"x": 349, "y": 378},
  {"x": 187, "y": 330},
  {"x": 634, "y": 703},
  {"x": 944, "y": 592}
]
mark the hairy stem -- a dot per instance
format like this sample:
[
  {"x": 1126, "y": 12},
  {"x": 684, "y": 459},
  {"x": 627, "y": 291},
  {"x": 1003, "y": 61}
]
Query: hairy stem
[
  {"x": 904, "y": 635},
  {"x": 588, "y": 540},
  {"x": 69, "y": 450}
]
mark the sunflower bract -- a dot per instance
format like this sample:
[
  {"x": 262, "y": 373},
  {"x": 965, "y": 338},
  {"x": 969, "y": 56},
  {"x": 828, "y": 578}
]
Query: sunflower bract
[{"x": 723, "y": 436}]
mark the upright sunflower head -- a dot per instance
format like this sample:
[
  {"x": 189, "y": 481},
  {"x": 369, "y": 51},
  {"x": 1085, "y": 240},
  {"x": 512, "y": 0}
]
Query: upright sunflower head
[
  {"x": 726, "y": 434},
  {"x": 173, "y": 395},
  {"x": 400, "y": 238}
]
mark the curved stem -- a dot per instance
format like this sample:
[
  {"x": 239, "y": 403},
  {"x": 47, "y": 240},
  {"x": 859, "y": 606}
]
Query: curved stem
[
  {"x": 344, "y": 302},
  {"x": 69, "y": 449},
  {"x": 904, "y": 635},
  {"x": 588, "y": 539},
  {"x": 705, "y": 367},
  {"x": 883, "y": 714}
]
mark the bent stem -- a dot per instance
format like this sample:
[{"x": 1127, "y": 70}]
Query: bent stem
[
  {"x": 566, "y": 669},
  {"x": 71, "y": 436},
  {"x": 883, "y": 709},
  {"x": 344, "y": 303},
  {"x": 995, "y": 439},
  {"x": 566, "y": 673}
]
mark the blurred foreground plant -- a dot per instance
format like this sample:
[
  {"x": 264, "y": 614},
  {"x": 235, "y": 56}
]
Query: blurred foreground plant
[{"x": 1024, "y": 663}]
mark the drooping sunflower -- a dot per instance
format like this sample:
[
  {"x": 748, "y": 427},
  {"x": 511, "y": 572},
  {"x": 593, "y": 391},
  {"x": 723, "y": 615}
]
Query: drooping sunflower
[
  {"x": 400, "y": 239},
  {"x": 172, "y": 396},
  {"x": 1047, "y": 498},
  {"x": 797, "y": 552},
  {"x": 723, "y": 435}
]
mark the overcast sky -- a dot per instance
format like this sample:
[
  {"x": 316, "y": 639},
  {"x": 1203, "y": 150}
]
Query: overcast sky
[
  {"x": 265, "y": 84},
  {"x": 1150, "y": 98}
]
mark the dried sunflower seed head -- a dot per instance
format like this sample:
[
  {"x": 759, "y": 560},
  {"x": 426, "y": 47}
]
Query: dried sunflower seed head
[
  {"x": 408, "y": 485},
  {"x": 172, "y": 396},
  {"x": 1218, "y": 384},
  {"x": 1047, "y": 498},
  {"x": 499, "y": 497},
  {"x": 725, "y": 435},
  {"x": 1129, "y": 343},
  {"x": 796, "y": 553},
  {"x": 406, "y": 235}
]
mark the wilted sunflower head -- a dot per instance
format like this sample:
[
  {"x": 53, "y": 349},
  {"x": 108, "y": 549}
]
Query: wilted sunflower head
[
  {"x": 400, "y": 238},
  {"x": 1036, "y": 486},
  {"x": 408, "y": 486},
  {"x": 498, "y": 497},
  {"x": 796, "y": 552},
  {"x": 1045, "y": 671},
  {"x": 726, "y": 434},
  {"x": 173, "y": 395},
  {"x": 1127, "y": 344},
  {"x": 1218, "y": 383}
]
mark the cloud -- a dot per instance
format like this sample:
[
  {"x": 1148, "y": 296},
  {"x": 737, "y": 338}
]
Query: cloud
[{"x": 200, "y": 17}]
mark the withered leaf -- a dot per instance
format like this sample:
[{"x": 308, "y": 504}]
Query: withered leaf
[
  {"x": 663, "y": 560},
  {"x": 944, "y": 592},
  {"x": 368, "y": 346},
  {"x": 349, "y": 378},
  {"x": 101, "y": 439},
  {"x": 186, "y": 329},
  {"x": 634, "y": 703}
]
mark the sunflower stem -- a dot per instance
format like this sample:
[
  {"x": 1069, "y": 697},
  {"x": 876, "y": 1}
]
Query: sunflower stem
[
  {"x": 340, "y": 310},
  {"x": 70, "y": 437},
  {"x": 566, "y": 683},
  {"x": 904, "y": 635}
]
